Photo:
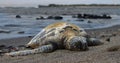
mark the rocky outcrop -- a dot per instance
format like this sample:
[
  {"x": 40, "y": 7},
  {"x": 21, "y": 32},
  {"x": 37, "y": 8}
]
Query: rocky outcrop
[{"x": 93, "y": 16}]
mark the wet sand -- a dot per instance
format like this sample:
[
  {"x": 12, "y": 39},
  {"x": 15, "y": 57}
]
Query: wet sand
[{"x": 109, "y": 52}]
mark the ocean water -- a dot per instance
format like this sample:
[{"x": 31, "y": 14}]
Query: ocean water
[{"x": 30, "y": 26}]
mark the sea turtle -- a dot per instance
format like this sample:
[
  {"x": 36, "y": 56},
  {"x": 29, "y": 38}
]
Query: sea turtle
[{"x": 60, "y": 35}]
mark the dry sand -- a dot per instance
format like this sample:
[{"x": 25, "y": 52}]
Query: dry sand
[{"x": 109, "y": 52}]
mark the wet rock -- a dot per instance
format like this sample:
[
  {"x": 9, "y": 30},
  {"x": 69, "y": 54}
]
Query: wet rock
[
  {"x": 50, "y": 17},
  {"x": 55, "y": 17},
  {"x": 4, "y": 31},
  {"x": 21, "y": 32},
  {"x": 12, "y": 25},
  {"x": 105, "y": 16},
  {"x": 58, "y": 17},
  {"x": 89, "y": 21},
  {"x": 93, "y": 16},
  {"x": 79, "y": 16},
  {"x": 39, "y": 18},
  {"x": 18, "y": 16}
]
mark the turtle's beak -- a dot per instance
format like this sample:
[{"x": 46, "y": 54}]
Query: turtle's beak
[{"x": 32, "y": 45}]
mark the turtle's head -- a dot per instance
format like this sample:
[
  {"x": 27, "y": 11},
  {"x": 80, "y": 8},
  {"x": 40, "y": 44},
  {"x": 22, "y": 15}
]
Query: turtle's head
[
  {"x": 32, "y": 44},
  {"x": 78, "y": 43}
]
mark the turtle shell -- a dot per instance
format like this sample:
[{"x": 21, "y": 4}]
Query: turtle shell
[{"x": 53, "y": 32}]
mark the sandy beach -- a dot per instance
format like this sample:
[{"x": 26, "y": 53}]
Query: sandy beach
[
  {"x": 21, "y": 20},
  {"x": 109, "y": 52}
]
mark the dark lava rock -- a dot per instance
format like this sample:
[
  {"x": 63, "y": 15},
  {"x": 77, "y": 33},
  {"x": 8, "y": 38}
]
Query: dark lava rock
[
  {"x": 93, "y": 16},
  {"x": 55, "y": 17},
  {"x": 39, "y": 18},
  {"x": 18, "y": 16},
  {"x": 58, "y": 17},
  {"x": 50, "y": 17},
  {"x": 4, "y": 31},
  {"x": 12, "y": 25},
  {"x": 21, "y": 32}
]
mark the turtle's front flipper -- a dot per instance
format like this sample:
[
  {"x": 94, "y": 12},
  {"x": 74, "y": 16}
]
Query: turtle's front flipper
[
  {"x": 42, "y": 49},
  {"x": 93, "y": 41}
]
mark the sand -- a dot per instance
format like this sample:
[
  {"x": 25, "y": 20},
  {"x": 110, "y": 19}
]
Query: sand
[{"x": 109, "y": 52}]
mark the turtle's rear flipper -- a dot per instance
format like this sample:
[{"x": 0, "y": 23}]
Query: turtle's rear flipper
[
  {"x": 93, "y": 42},
  {"x": 42, "y": 49}
]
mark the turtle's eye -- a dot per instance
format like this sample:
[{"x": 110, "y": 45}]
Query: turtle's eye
[
  {"x": 62, "y": 31},
  {"x": 74, "y": 29}
]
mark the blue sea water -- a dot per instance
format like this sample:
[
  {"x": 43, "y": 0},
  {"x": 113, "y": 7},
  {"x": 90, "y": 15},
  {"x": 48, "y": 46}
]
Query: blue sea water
[{"x": 31, "y": 26}]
